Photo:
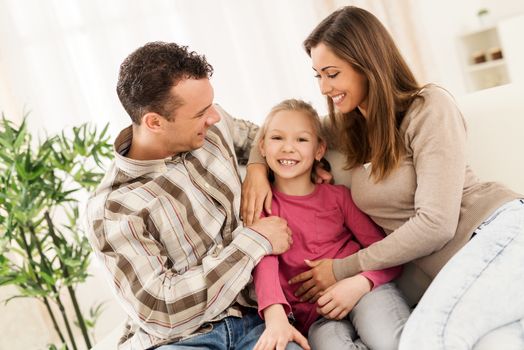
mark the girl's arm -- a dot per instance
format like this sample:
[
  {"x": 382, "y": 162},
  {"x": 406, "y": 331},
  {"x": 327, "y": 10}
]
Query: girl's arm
[
  {"x": 267, "y": 285},
  {"x": 273, "y": 307},
  {"x": 279, "y": 332}
]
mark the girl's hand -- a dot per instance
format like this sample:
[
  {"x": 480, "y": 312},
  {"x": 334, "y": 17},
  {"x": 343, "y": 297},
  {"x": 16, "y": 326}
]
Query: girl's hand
[
  {"x": 256, "y": 193},
  {"x": 338, "y": 300},
  {"x": 278, "y": 331},
  {"x": 319, "y": 278}
]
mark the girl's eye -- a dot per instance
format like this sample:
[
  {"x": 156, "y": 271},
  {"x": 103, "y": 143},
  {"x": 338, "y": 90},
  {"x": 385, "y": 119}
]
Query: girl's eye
[
  {"x": 276, "y": 138},
  {"x": 301, "y": 139},
  {"x": 331, "y": 76}
]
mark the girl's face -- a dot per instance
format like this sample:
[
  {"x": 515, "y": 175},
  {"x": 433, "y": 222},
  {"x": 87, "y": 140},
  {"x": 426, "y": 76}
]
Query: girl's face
[
  {"x": 347, "y": 88},
  {"x": 291, "y": 146}
]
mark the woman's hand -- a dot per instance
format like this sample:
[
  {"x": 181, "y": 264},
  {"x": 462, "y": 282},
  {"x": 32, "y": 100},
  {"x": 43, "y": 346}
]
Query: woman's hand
[
  {"x": 338, "y": 300},
  {"x": 256, "y": 193},
  {"x": 279, "y": 332},
  {"x": 316, "y": 280},
  {"x": 322, "y": 172}
]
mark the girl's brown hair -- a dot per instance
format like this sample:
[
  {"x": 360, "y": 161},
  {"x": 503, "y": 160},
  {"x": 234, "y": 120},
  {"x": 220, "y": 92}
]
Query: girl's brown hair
[{"x": 358, "y": 37}]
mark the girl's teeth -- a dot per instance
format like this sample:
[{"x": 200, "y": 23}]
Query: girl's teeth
[{"x": 287, "y": 162}]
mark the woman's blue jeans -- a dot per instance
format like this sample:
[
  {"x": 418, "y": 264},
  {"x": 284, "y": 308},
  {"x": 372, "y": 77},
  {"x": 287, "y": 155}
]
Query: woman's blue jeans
[{"x": 478, "y": 294}]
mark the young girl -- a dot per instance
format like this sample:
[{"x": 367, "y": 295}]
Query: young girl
[
  {"x": 405, "y": 151},
  {"x": 325, "y": 224}
]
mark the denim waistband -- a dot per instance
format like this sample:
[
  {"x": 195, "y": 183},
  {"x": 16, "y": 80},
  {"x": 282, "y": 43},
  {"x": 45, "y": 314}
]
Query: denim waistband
[{"x": 516, "y": 203}]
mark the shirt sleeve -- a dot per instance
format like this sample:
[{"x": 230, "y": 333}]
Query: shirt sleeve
[
  {"x": 366, "y": 232},
  {"x": 436, "y": 138},
  {"x": 267, "y": 285},
  {"x": 243, "y": 134},
  {"x": 163, "y": 301}
]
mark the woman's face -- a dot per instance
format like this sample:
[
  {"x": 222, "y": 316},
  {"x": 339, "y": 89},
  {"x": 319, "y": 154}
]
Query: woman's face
[{"x": 347, "y": 88}]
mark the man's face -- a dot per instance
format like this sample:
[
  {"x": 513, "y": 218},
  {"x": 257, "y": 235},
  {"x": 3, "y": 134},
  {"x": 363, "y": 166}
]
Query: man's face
[{"x": 188, "y": 127}]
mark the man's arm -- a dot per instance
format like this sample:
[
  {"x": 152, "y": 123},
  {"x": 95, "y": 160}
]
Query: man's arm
[
  {"x": 166, "y": 302},
  {"x": 243, "y": 134}
]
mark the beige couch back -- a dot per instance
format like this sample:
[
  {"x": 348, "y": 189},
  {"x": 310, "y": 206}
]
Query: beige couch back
[{"x": 495, "y": 119}]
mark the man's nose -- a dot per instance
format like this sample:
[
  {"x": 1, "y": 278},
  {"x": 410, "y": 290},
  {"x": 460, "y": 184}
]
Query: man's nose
[{"x": 212, "y": 117}]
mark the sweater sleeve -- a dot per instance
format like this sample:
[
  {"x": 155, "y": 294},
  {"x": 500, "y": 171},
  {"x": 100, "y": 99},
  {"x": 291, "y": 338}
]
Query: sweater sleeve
[
  {"x": 366, "y": 232},
  {"x": 267, "y": 285},
  {"x": 436, "y": 139}
]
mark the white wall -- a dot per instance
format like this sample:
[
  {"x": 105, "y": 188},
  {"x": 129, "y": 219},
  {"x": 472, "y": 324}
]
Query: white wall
[{"x": 444, "y": 21}]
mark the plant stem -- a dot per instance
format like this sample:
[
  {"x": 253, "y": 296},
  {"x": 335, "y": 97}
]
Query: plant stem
[
  {"x": 44, "y": 261},
  {"x": 55, "y": 324},
  {"x": 66, "y": 321},
  {"x": 70, "y": 289}
]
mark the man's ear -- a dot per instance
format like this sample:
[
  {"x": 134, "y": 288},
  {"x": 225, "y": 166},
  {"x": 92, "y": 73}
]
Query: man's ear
[
  {"x": 152, "y": 121},
  {"x": 321, "y": 150}
]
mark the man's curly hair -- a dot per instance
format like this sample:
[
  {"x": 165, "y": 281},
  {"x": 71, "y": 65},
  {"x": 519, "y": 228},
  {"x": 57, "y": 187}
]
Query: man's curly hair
[{"x": 148, "y": 74}]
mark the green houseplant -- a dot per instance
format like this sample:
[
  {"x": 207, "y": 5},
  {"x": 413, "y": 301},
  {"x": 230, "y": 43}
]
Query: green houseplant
[{"x": 42, "y": 249}]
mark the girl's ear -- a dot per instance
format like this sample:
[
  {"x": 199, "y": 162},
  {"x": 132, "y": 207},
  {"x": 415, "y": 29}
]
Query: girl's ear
[
  {"x": 261, "y": 148},
  {"x": 321, "y": 150}
]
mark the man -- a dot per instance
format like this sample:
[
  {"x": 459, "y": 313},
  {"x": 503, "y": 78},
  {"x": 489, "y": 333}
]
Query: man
[{"x": 165, "y": 220}]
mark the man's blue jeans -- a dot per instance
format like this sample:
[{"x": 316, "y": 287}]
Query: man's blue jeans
[{"x": 232, "y": 333}]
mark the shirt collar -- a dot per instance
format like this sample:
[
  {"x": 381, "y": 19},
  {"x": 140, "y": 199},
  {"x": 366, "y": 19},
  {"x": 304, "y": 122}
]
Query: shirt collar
[{"x": 133, "y": 167}]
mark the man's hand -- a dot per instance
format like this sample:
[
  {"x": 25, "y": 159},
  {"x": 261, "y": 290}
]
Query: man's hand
[
  {"x": 316, "y": 280},
  {"x": 276, "y": 231},
  {"x": 256, "y": 193},
  {"x": 339, "y": 299},
  {"x": 278, "y": 331}
]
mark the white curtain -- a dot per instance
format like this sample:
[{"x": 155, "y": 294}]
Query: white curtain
[{"x": 59, "y": 59}]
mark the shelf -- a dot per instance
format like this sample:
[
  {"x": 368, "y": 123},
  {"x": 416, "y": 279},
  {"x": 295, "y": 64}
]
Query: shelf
[{"x": 486, "y": 65}]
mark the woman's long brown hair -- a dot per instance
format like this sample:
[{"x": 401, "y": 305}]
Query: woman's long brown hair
[{"x": 358, "y": 37}]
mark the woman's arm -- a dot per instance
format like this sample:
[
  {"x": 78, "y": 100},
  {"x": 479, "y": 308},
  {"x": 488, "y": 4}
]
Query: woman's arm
[{"x": 436, "y": 138}]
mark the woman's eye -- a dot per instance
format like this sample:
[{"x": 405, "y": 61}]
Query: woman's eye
[
  {"x": 317, "y": 76},
  {"x": 331, "y": 76}
]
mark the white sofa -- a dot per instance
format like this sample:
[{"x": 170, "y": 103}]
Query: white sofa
[{"x": 495, "y": 139}]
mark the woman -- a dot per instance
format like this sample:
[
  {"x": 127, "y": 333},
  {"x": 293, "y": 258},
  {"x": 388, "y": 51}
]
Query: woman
[{"x": 405, "y": 147}]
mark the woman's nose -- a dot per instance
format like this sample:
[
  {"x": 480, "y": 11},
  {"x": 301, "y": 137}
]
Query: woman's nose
[{"x": 324, "y": 85}]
